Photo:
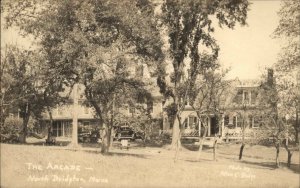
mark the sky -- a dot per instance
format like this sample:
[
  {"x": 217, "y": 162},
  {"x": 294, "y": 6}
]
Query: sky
[{"x": 246, "y": 50}]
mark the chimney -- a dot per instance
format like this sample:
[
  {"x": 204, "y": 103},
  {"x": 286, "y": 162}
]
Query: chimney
[{"x": 270, "y": 79}]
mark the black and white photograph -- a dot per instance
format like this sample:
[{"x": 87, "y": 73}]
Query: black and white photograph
[{"x": 150, "y": 93}]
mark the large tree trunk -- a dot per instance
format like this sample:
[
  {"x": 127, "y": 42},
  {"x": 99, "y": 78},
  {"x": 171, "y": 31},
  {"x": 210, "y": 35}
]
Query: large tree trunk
[
  {"x": 105, "y": 140},
  {"x": 109, "y": 137},
  {"x": 296, "y": 135},
  {"x": 24, "y": 131},
  {"x": 50, "y": 125},
  {"x": 215, "y": 148},
  {"x": 296, "y": 127},
  {"x": 177, "y": 149},
  {"x": 289, "y": 159},
  {"x": 290, "y": 154},
  {"x": 201, "y": 141},
  {"x": 176, "y": 135},
  {"x": 241, "y": 151},
  {"x": 243, "y": 145},
  {"x": 277, "y": 155},
  {"x": 111, "y": 133}
]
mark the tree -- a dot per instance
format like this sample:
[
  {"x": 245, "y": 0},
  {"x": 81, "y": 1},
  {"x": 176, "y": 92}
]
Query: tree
[
  {"x": 90, "y": 42},
  {"x": 189, "y": 28},
  {"x": 104, "y": 94},
  {"x": 208, "y": 98},
  {"x": 273, "y": 123},
  {"x": 19, "y": 88},
  {"x": 288, "y": 65}
]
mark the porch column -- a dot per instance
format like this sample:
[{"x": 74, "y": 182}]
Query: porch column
[
  {"x": 199, "y": 127},
  {"x": 209, "y": 124},
  {"x": 187, "y": 122},
  {"x": 223, "y": 125},
  {"x": 63, "y": 128}
]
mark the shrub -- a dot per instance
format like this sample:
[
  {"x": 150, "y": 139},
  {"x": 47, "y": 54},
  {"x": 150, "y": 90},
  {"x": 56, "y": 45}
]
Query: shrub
[{"x": 11, "y": 129}]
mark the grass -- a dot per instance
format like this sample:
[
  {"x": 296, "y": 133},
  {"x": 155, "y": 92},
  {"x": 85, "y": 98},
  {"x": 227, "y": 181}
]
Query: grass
[{"x": 144, "y": 167}]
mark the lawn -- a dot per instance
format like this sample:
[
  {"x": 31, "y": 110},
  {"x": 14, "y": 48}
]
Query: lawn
[{"x": 59, "y": 166}]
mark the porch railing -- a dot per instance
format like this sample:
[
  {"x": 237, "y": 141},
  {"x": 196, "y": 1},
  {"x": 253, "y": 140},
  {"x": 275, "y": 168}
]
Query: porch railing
[{"x": 228, "y": 133}]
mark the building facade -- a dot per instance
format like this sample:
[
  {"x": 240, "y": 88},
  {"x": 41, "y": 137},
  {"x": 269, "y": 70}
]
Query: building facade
[{"x": 240, "y": 109}]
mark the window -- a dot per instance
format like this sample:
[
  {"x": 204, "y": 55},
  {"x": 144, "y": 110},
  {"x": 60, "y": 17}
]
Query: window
[
  {"x": 253, "y": 96},
  {"x": 57, "y": 129},
  {"x": 238, "y": 99},
  {"x": 185, "y": 124},
  {"x": 246, "y": 97},
  {"x": 192, "y": 122},
  {"x": 239, "y": 121},
  {"x": 226, "y": 120},
  {"x": 250, "y": 121},
  {"x": 234, "y": 121},
  {"x": 257, "y": 122}
]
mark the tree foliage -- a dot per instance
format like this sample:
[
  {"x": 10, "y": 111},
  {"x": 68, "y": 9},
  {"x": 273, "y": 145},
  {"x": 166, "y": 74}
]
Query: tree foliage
[
  {"x": 92, "y": 42},
  {"x": 20, "y": 90},
  {"x": 288, "y": 65},
  {"x": 189, "y": 29}
]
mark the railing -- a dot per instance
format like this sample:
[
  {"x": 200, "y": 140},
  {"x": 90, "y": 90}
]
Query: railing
[
  {"x": 185, "y": 133},
  {"x": 227, "y": 133},
  {"x": 249, "y": 133}
]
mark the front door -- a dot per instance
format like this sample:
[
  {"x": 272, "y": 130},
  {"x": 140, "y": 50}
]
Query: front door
[{"x": 214, "y": 126}]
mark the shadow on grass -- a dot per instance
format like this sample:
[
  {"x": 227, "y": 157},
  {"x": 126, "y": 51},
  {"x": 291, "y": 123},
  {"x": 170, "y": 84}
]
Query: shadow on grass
[
  {"x": 118, "y": 154},
  {"x": 272, "y": 166},
  {"x": 198, "y": 161},
  {"x": 193, "y": 147},
  {"x": 150, "y": 144}
]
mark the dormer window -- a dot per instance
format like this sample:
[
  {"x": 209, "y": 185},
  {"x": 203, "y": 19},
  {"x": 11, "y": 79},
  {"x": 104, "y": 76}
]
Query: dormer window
[{"x": 246, "y": 97}]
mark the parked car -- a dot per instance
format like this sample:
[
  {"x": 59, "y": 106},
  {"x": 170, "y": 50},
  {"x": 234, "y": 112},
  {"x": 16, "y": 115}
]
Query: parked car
[
  {"x": 126, "y": 132},
  {"x": 88, "y": 135}
]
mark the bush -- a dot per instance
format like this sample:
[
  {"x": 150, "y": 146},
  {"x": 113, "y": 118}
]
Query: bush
[
  {"x": 11, "y": 129},
  {"x": 12, "y": 125}
]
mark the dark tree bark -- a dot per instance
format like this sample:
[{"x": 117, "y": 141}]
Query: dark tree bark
[
  {"x": 178, "y": 145},
  {"x": 176, "y": 135},
  {"x": 241, "y": 151},
  {"x": 201, "y": 141},
  {"x": 50, "y": 125},
  {"x": 290, "y": 154},
  {"x": 243, "y": 137},
  {"x": 105, "y": 140},
  {"x": 215, "y": 148},
  {"x": 296, "y": 127},
  {"x": 176, "y": 128},
  {"x": 277, "y": 155},
  {"x": 25, "y": 123}
]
